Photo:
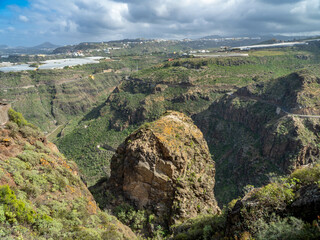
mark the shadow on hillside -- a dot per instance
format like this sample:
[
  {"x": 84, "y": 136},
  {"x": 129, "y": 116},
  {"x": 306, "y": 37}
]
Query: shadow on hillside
[{"x": 94, "y": 113}]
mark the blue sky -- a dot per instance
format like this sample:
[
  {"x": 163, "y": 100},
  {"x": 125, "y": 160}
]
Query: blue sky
[
  {"x": 5, "y": 3},
  {"x": 29, "y": 23}
]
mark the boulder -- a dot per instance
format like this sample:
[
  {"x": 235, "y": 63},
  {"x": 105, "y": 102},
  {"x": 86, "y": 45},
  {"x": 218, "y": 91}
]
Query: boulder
[{"x": 165, "y": 167}]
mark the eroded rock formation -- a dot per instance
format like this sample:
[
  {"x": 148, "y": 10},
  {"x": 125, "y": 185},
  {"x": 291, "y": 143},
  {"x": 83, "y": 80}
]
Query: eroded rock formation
[
  {"x": 166, "y": 167},
  {"x": 4, "y": 113}
]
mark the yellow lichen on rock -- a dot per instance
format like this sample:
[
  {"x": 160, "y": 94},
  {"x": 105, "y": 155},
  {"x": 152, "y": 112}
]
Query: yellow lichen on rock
[{"x": 163, "y": 167}]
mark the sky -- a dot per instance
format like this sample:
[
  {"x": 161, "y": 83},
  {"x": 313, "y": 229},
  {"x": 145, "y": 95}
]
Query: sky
[{"x": 31, "y": 22}]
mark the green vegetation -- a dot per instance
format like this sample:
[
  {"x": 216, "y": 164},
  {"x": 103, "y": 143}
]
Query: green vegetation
[
  {"x": 289, "y": 228},
  {"x": 204, "y": 227},
  {"x": 17, "y": 118},
  {"x": 50, "y": 98},
  {"x": 14, "y": 210},
  {"x": 190, "y": 86},
  {"x": 82, "y": 145},
  {"x": 42, "y": 195},
  {"x": 247, "y": 139},
  {"x": 273, "y": 209},
  {"x": 264, "y": 213},
  {"x": 139, "y": 221}
]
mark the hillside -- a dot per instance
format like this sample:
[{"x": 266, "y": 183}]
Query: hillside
[
  {"x": 52, "y": 98},
  {"x": 46, "y": 45},
  {"x": 41, "y": 193},
  {"x": 251, "y": 142},
  {"x": 43, "y": 197},
  {"x": 186, "y": 85},
  {"x": 287, "y": 209}
]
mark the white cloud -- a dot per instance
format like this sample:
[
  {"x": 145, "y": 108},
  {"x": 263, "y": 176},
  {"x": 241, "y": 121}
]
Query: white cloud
[
  {"x": 23, "y": 18},
  {"x": 93, "y": 20}
]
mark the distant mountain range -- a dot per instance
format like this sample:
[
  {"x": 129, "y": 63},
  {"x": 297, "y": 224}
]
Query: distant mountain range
[
  {"x": 46, "y": 45},
  {"x": 262, "y": 37}
]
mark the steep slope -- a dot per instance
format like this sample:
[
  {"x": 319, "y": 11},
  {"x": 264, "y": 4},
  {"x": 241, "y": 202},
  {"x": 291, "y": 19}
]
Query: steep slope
[
  {"x": 41, "y": 193},
  {"x": 250, "y": 141},
  {"x": 165, "y": 168},
  {"x": 284, "y": 209},
  {"x": 132, "y": 103},
  {"x": 186, "y": 85},
  {"x": 49, "y": 98},
  {"x": 296, "y": 93},
  {"x": 288, "y": 209}
]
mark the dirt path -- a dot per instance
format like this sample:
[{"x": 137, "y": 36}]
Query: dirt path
[{"x": 48, "y": 134}]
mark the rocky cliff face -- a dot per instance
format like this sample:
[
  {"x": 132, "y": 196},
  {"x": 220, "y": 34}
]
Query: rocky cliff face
[
  {"x": 165, "y": 167},
  {"x": 135, "y": 101},
  {"x": 250, "y": 140}
]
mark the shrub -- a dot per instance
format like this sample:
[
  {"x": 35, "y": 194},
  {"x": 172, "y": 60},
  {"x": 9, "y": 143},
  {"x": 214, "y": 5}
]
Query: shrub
[
  {"x": 135, "y": 219},
  {"x": 275, "y": 195},
  {"x": 287, "y": 229},
  {"x": 202, "y": 227},
  {"x": 31, "y": 157},
  {"x": 112, "y": 233},
  {"x": 14, "y": 209},
  {"x": 86, "y": 234},
  {"x": 13, "y": 127},
  {"x": 17, "y": 118},
  {"x": 307, "y": 175},
  {"x": 28, "y": 146},
  {"x": 41, "y": 147},
  {"x": 28, "y": 131}
]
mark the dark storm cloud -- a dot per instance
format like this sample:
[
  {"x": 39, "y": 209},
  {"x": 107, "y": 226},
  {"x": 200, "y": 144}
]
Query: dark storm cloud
[{"x": 84, "y": 20}]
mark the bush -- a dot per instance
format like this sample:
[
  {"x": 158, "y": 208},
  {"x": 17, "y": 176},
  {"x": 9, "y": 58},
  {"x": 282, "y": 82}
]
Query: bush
[
  {"x": 202, "y": 227},
  {"x": 135, "y": 219},
  {"x": 287, "y": 229},
  {"x": 17, "y": 118},
  {"x": 307, "y": 175},
  {"x": 30, "y": 156},
  {"x": 41, "y": 147},
  {"x": 13, "y": 127},
  {"x": 274, "y": 195},
  {"x": 29, "y": 131},
  {"x": 14, "y": 210}
]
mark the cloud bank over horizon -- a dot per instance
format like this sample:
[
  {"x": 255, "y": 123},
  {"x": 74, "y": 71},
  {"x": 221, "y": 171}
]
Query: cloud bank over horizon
[{"x": 29, "y": 22}]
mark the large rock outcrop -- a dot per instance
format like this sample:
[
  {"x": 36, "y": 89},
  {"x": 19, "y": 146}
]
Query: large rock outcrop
[
  {"x": 4, "y": 113},
  {"x": 166, "y": 167}
]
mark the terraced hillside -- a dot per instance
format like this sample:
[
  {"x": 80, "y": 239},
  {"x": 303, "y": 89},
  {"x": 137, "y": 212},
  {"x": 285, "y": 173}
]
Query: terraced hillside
[
  {"x": 51, "y": 98},
  {"x": 258, "y": 114},
  {"x": 190, "y": 86}
]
